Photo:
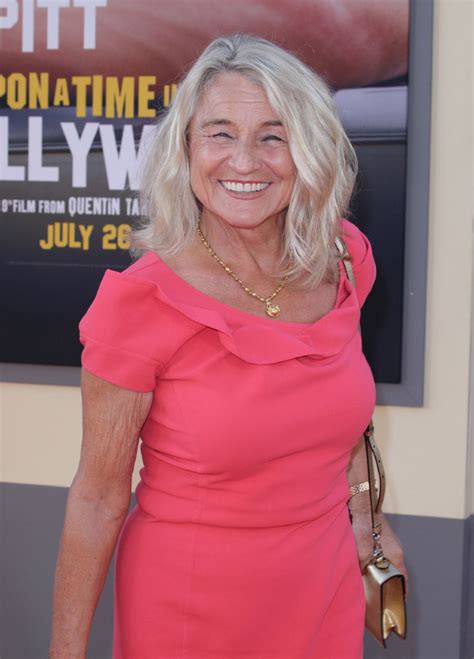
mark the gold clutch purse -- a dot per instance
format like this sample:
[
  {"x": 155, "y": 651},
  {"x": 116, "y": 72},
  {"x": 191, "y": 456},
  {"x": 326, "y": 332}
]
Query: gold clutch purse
[{"x": 384, "y": 585}]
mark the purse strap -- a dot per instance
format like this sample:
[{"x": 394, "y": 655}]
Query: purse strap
[{"x": 371, "y": 447}]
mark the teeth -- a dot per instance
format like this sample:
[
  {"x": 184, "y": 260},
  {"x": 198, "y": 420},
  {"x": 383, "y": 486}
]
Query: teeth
[{"x": 244, "y": 187}]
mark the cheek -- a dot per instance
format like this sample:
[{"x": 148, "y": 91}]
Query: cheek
[
  {"x": 195, "y": 181},
  {"x": 203, "y": 166},
  {"x": 290, "y": 170},
  {"x": 197, "y": 173},
  {"x": 284, "y": 167},
  {"x": 288, "y": 177}
]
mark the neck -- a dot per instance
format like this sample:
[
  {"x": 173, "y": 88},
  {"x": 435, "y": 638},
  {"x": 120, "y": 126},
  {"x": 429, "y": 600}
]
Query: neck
[{"x": 251, "y": 250}]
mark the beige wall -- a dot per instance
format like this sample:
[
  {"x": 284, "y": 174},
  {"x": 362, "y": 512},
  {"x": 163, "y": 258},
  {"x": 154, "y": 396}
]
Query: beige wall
[
  {"x": 424, "y": 449},
  {"x": 470, "y": 448}
]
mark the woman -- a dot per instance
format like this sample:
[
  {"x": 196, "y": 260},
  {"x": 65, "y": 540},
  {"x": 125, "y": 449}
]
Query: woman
[{"x": 231, "y": 347}]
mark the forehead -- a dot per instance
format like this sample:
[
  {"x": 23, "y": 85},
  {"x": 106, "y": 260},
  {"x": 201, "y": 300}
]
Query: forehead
[{"x": 233, "y": 96}]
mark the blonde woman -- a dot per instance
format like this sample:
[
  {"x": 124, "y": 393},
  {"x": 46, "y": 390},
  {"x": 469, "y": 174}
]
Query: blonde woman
[{"x": 231, "y": 348}]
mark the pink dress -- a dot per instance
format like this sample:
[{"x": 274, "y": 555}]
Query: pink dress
[{"x": 240, "y": 544}]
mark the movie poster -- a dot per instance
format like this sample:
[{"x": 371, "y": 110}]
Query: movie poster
[{"x": 82, "y": 83}]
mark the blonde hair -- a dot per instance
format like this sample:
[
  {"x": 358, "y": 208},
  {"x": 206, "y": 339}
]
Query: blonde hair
[{"x": 324, "y": 158}]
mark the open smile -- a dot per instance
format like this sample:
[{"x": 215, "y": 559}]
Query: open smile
[{"x": 245, "y": 187}]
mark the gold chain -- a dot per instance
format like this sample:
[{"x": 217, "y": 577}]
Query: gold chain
[{"x": 272, "y": 310}]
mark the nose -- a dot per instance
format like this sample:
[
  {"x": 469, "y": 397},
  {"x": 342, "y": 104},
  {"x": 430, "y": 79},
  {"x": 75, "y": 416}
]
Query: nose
[{"x": 244, "y": 156}]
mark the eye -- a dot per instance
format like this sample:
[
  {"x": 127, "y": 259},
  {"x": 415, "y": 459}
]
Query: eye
[
  {"x": 222, "y": 134},
  {"x": 272, "y": 137}
]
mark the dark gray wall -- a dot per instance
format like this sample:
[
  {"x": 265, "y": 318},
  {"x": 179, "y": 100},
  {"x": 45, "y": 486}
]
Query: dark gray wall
[
  {"x": 439, "y": 554},
  {"x": 467, "y": 639}
]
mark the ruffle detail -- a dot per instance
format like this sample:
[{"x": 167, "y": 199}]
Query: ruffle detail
[{"x": 253, "y": 339}]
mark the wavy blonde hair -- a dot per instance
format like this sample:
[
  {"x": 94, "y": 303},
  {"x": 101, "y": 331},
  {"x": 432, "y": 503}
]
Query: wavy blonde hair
[{"x": 324, "y": 158}]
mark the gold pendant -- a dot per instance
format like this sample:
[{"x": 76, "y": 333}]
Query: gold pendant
[{"x": 273, "y": 310}]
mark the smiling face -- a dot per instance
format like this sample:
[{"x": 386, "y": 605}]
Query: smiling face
[{"x": 240, "y": 163}]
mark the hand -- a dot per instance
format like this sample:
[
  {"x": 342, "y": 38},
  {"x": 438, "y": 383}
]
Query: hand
[{"x": 391, "y": 545}]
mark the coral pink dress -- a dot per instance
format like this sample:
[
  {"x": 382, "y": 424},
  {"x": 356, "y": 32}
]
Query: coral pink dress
[{"x": 240, "y": 545}]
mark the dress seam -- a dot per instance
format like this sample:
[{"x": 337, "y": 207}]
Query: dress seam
[{"x": 195, "y": 530}]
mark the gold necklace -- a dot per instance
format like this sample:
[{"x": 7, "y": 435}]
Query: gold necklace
[{"x": 272, "y": 310}]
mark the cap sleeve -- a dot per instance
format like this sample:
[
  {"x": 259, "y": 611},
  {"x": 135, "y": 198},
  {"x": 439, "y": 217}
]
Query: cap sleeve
[
  {"x": 119, "y": 344},
  {"x": 363, "y": 262}
]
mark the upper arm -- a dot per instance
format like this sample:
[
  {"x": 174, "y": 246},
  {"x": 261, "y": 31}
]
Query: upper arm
[
  {"x": 112, "y": 418},
  {"x": 122, "y": 333}
]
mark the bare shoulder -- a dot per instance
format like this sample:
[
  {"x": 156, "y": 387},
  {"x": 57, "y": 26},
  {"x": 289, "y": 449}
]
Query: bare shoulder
[
  {"x": 194, "y": 265},
  {"x": 191, "y": 261}
]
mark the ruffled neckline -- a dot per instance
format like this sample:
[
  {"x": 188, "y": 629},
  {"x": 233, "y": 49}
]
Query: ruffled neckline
[{"x": 253, "y": 338}]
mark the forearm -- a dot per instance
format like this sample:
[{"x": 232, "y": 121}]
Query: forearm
[{"x": 88, "y": 540}]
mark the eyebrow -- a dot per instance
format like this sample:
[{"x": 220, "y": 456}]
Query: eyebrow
[{"x": 227, "y": 122}]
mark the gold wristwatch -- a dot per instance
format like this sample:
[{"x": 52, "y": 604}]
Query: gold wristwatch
[{"x": 359, "y": 487}]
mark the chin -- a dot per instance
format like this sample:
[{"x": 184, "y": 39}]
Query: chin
[{"x": 248, "y": 219}]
